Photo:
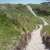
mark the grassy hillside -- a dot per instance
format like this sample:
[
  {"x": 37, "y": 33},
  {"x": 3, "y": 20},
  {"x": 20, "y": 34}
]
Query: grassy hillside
[
  {"x": 43, "y": 10},
  {"x": 47, "y": 28},
  {"x": 14, "y": 20}
]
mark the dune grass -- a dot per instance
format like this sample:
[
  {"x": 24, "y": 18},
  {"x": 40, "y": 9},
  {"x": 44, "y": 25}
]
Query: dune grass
[
  {"x": 47, "y": 28},
  {"x": 14, "y": 20}
]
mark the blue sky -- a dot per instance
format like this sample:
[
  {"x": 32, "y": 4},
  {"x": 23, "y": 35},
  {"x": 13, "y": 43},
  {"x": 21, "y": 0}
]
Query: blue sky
[{"x": 22, "y": 1}]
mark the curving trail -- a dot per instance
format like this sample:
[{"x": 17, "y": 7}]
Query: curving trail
[{"x": 36, "y": 41}]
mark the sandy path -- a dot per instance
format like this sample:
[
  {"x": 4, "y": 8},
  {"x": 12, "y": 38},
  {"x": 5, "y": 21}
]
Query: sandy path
[{"x": 36, "y": 40}]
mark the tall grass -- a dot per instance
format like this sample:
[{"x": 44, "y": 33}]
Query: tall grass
[{"x": 14, "y": 20}]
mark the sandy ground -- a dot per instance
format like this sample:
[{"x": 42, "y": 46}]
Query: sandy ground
[{"x": 36, "y": 41}]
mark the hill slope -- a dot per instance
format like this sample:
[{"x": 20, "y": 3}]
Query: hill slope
[{"x": 14, "y": 20}]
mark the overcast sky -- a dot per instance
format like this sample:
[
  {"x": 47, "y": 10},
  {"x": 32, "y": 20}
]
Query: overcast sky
[{"x": 22, "y": 1}]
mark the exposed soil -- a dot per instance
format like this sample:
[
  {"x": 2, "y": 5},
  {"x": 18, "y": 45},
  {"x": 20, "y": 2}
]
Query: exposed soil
[{"x": 23, "y": 41}]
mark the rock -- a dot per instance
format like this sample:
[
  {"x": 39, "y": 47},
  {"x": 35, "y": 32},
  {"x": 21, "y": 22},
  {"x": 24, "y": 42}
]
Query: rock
[{"x": 46, "y": 40}]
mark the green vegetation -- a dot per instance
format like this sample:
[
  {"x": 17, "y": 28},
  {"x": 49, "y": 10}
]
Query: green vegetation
[
  {"x": 14, "y": 20},
  {"x": 43, "y": 10},
  {"x": 47, "y": 28}
]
